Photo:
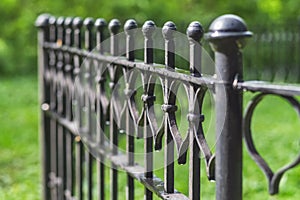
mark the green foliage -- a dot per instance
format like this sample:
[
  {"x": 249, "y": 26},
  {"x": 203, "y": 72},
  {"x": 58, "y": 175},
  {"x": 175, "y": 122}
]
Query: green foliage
[
  {"x": 18, "y": 35},
  {"x": 20, "y": 160}
]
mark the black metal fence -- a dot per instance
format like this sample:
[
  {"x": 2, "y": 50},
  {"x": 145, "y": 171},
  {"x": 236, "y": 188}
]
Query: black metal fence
[{"x": 88, "y": 96}]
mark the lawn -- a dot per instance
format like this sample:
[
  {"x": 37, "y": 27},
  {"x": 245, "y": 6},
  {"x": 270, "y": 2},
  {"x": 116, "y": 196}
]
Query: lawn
[
  {"x": 19, "y": 146},
  {"x": 276, "y": 133}
]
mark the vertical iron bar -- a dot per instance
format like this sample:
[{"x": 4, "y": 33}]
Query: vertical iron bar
[
  {"x": 168, "y": 31},
  {"x": 42, "y": 23},
  {"x": 60, "y": 95},
  {"x": 53, "y": 105},
  {"x": 148, "y": 29},
  {"x": 226, "y": 35},
  {"x": 194, "y": 33},
  {"x": 68, "y": 105},
  {"x": 129, "y": 28},
  {"x": 77, "y": 24},
  {"x": 100, "y": 24},
  {"x": 89, "y": 23},
  {"x": 114, "y": 27}
]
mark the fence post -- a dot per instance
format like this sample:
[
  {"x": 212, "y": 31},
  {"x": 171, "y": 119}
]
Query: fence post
[
  {"x": 42, "y": 23},
  {"x": 226, "y": 36}
]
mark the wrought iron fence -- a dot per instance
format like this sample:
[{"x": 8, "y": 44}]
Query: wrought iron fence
[{"x": 90, "y": 96}]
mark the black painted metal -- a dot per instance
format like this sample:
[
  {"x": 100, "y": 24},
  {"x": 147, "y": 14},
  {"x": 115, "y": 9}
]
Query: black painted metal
[
  {"x": 68, "y": 167},
  {"x": 148, "y": 98},
  {"x": 226, "y": 34}
]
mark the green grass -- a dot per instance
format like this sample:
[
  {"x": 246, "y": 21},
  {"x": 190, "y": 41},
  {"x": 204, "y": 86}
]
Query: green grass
[
  {"x": 19, "y": 148},
  {"x": 275, "y": 130}
]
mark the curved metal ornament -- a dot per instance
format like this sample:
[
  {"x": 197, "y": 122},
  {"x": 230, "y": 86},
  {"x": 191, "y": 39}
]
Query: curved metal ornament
[
  {"x": 200, "y": 137},
  {"x": 273, "y": 177},
  {"x": 148, "y": 98}
]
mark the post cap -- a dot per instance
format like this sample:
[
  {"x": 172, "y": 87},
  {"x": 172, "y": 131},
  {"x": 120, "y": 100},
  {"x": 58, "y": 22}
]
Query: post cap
[
  {"x": 88, "y": 23},
  {"x": 148, "y": 28},
  {"x": 228, "y": 26},
  {"x": 114, "y": 26},
  {"x": 130, "y": 25},
  {"x": 68, "y": 22},
  {"x": 100, "y": 23},
  {"x": 42, "y": 20},
  {"x": 77, "y": 22},
  {"x": 195, "y": 31},
  {"x": 168, "y": 30}
]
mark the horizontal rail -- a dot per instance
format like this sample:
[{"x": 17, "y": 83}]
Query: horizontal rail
[
  {"x": 155, "y": 184},
  {"x": 158, "y": 69},
  {"x": 265, "y": 87}
]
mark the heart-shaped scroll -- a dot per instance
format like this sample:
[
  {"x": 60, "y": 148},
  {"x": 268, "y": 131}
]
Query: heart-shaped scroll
[{"x": 273, "y": 177}]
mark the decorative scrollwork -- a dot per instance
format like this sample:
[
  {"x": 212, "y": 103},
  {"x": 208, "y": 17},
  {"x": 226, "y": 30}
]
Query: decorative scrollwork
[{"x": 273, "y": 177}]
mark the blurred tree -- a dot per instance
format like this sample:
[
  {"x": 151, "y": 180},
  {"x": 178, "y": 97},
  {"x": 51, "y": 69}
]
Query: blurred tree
[{"x": 18, "y": 35}]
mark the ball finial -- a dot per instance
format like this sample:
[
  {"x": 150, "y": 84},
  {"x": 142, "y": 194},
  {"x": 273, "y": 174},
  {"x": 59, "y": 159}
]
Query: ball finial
[
  {"x": 52, "y": 20},
  {"x": 227, "y": 26},
  {"x": 60, "y": 21},
  {"x": 148, "y": 28},
  {"x": 168, "y": 30},
  {"x": 77, "y": 22},
  {"x": 114, "y": 26},
  {"x": 42, "y": 20},
  {"x": 68, "y": 22},
  {"x": 100, "y": 24},
  {"x": 130, "y": 25},
  {"x": 88, "y": 23},
  {"x": 195, "y": 31}
]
